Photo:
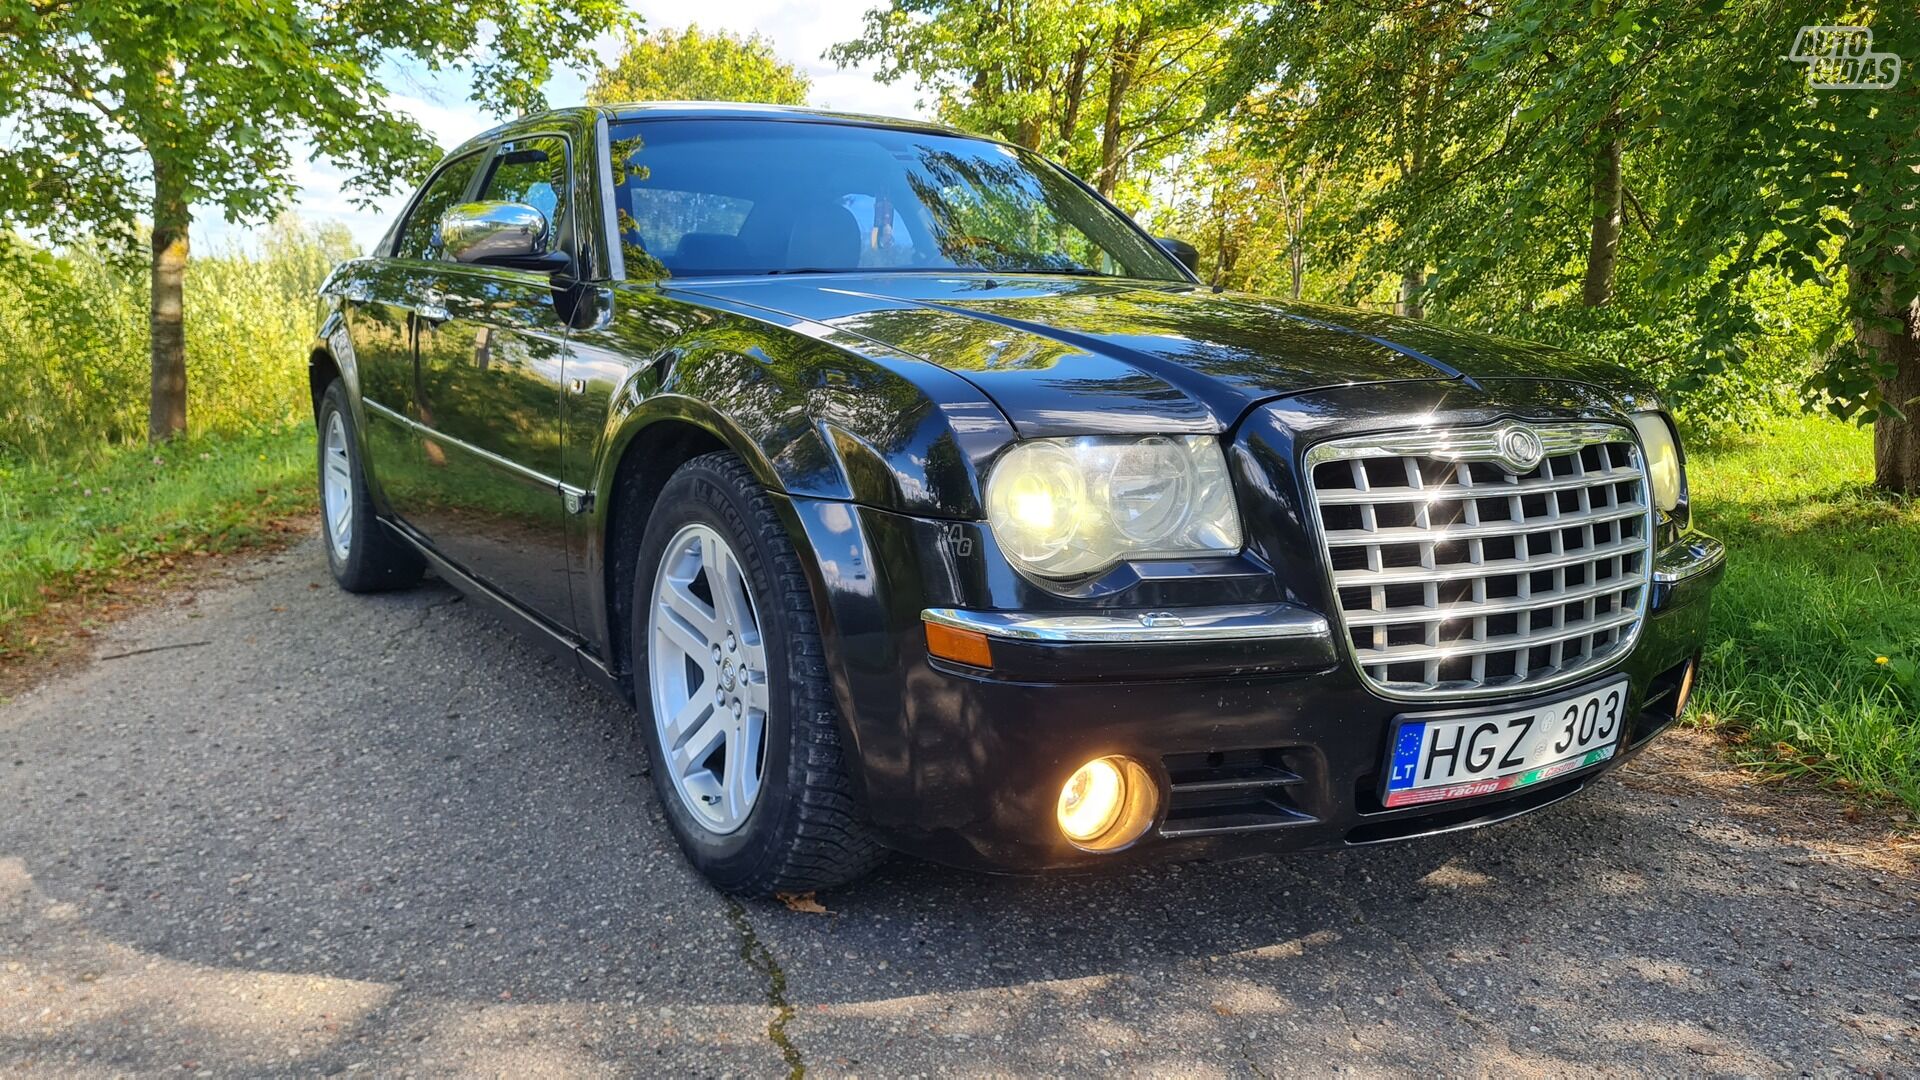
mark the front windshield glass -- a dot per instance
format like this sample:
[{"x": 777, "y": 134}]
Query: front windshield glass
[{"x": 713, "y": 197}]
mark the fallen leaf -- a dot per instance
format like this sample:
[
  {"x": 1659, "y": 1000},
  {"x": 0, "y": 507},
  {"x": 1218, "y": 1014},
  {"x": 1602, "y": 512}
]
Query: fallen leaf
[{"x": 802, "y": 902}]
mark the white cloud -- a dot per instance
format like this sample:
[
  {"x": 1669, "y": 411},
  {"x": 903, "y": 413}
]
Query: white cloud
[{"x": 800, "y": 33}]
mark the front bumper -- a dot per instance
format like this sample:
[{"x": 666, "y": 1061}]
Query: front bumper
[{"x": 1260, "y": 743}]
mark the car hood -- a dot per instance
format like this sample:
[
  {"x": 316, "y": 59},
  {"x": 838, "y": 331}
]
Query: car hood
[{"x": 1067, "y": 356}]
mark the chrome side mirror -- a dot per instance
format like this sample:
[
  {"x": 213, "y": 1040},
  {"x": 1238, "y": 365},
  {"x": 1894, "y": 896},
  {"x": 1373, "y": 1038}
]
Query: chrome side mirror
[{"x": 498, "y": 234}]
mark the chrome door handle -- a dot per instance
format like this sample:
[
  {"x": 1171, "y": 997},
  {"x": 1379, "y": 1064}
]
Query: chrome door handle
[{"x": 433, "y": 308}]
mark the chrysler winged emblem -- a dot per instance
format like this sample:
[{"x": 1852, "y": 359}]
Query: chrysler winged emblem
[{"x": 1519, "y": 450}]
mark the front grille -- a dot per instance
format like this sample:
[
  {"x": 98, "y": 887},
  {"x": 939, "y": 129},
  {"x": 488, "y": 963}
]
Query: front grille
[{"x": 1456, "y": 575}]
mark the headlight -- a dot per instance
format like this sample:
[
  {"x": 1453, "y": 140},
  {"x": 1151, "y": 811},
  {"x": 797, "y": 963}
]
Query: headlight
[
  {"x": 1663, "y": 458},
  {"x": 1065, "y": 507}
]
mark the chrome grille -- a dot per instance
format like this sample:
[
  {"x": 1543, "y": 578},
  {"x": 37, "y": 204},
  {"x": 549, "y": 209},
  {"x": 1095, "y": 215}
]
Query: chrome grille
[{"x": 1457, "y": 575}]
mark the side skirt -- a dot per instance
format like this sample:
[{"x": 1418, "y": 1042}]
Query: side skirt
[{"x": 529, "y": 625}]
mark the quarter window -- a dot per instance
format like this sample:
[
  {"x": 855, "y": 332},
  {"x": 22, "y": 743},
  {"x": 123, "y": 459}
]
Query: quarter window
[
  {"x": 532, "y": 172},
  {"x": 420, "y": 237}
]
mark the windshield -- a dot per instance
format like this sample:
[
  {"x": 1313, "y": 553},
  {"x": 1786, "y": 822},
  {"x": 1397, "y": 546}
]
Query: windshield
[{"x": 712, "y": 197}]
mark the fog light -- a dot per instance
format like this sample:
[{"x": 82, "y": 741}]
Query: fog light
[
  {"x": 1686, "y": 689},
  {"x": 1106, "y": 803}
]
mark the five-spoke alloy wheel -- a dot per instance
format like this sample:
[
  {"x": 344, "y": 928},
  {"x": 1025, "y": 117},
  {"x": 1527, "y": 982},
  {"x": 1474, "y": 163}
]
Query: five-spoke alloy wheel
[
  {"x": 742, "y": 725},
  {"x": 709, "y": 678}
]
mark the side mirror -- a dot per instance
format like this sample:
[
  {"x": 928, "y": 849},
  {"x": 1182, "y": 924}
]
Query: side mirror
[
  {"x": 506, "y": 234},
  {"x": 1186, "y": 254}
]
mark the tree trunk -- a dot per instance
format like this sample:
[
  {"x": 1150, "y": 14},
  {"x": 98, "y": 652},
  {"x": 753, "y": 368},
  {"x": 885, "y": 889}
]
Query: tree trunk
[
  {"x": 167, "y": 342},
  {"x": 1896, "y": 441},
  {"x": 1121, "y": 62},
  {"x": 1412, "y": 280},
  {"x": 1603, "y": 251}
]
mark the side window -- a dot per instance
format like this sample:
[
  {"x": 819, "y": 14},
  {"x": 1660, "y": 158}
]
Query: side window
[
  {"x": 532, "y": 171},
  {"x": 420, "y": 236}
]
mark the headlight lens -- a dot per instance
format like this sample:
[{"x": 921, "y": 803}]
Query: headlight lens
[
  {"x": 1663, "y": 458},
  {"x": 1066, "y": 507}
]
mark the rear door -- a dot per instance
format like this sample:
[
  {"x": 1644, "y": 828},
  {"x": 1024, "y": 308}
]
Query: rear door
[{"x": 488, "y": 393}]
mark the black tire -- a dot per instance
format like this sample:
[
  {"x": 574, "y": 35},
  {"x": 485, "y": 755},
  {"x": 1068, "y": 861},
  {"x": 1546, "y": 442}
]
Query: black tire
[
  {"x": 375, "y": 560},
  {"x": 806, "y": 830}
]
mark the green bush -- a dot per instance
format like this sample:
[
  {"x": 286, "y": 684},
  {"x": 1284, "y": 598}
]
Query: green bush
[{"x": 73, "y": 340}]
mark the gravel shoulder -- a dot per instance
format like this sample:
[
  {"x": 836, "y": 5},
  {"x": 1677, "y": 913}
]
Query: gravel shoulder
[{"x": 275, "y": 829}]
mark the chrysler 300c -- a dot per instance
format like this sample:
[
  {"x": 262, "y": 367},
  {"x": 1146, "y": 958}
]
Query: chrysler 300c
[{"x": 919, "y": 500}]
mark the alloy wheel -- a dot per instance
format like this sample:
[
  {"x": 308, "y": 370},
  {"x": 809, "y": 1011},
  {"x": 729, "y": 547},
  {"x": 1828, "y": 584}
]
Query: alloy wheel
[
  {"x": 336, "y": 487},
  {"x": 707, "y": 672}
]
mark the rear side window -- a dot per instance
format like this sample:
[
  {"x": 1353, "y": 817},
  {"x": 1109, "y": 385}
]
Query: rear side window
[
  {"x": 532, "y": 171},
  {"x": 420, "y": 236}
]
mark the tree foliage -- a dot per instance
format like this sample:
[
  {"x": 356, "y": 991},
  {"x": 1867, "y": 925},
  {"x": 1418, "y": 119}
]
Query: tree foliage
[
  {"x": 1112, "y": 89},
  {"x": 692, "y": 65}
]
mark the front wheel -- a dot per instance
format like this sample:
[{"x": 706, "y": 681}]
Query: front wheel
[
  {"x": 730, "y": 676},
  {"x": 363, "y": 556}
]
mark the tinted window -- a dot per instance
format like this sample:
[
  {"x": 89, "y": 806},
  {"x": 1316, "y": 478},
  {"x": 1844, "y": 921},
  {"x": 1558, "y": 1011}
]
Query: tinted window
[
  {"x": 531, "y": 171},
  {"x": 754, "y": 196},
  {"x": 419, "y": 238}
]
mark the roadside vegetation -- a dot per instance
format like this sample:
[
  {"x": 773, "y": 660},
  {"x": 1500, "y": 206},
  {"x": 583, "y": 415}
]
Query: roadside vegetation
[
  {"x": 86, "y": 505},
  {"x": 1813, "y": 667}
]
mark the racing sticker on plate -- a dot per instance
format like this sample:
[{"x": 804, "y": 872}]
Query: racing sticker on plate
[{"x": 1437, "y": 758}]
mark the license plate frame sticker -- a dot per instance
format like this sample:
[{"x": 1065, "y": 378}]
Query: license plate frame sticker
[{"x": 1487, "y": 751}]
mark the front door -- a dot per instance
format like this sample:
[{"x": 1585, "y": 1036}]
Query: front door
[
  {"x": 490, "y": 348},
  {"x": 381, "y": 296}
]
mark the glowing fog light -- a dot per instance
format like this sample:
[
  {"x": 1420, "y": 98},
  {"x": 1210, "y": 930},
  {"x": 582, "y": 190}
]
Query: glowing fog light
[
  {"x": 1106, "y": 804},
  {"x": 1090, "y": 801}
]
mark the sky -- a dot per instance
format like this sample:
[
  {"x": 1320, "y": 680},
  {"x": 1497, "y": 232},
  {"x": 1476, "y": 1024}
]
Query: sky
[{"x": 799, "y": 31}]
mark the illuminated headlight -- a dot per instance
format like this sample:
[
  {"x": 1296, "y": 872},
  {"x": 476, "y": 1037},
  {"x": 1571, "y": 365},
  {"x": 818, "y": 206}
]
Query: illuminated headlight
[
  {"x": 1067, "y": 507},
  {"x": 1663, "y": 458}
]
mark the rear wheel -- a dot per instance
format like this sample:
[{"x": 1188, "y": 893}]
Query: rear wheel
[
  {"x": 739, "y": 717},
  {"x": 362, "y": 554}
]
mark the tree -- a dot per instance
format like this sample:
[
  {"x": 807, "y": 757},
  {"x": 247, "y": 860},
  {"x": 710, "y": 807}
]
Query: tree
[
  {"x": 690, "y": 65},
  {"x": 1110, "y": 88},
  {"x": 113, "y": 107}
]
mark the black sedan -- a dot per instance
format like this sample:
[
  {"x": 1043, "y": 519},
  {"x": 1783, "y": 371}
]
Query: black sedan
[{"x": 918, "y": 499}]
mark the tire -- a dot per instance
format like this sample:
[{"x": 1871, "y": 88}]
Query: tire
[
  {"x": 802, "y": 827},
  {"x": 363, "y": 555}
]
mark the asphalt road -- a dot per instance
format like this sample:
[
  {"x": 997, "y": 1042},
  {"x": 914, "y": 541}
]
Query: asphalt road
[{"x": 313, "y": 833}]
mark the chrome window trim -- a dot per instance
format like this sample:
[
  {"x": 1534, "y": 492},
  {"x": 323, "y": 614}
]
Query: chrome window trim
[
  {"x": 1479, "y": 443},
  {"x": 1185, "y": 626},
  {"x": 609, "y": 214}
]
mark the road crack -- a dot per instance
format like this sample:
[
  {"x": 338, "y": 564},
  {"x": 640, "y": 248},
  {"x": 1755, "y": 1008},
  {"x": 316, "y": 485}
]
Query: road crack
[{"x": 759, "y": 959}]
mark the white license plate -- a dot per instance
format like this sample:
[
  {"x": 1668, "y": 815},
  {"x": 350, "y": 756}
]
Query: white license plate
[{"x": 1444, "y": 756}]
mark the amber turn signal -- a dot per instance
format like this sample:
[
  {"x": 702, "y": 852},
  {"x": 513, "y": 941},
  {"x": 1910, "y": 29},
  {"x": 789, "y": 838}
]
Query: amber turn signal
[{"x": 960, "y": 646}]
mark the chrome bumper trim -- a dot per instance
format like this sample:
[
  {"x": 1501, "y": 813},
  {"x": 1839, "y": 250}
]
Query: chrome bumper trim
[
  {"x": 1185, "y": 626},
  {"x": 1696, "y": 554}
]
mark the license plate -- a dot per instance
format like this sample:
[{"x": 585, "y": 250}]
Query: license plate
[{"x": 1438, "y": 757}]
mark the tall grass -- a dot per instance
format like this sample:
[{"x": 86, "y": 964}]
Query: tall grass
[
  {"x": 1814, "y": 661},
  {"x": 73, "y": 341}
]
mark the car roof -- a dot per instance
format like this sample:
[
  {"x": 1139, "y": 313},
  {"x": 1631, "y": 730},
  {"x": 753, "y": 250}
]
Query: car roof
[{"x": 713, "y": 110}]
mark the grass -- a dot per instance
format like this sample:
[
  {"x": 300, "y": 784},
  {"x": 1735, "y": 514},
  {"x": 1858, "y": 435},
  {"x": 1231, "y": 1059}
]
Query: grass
[
  {"x": 1814, "y": 657},
  {"x": 85, "y": 525}
]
